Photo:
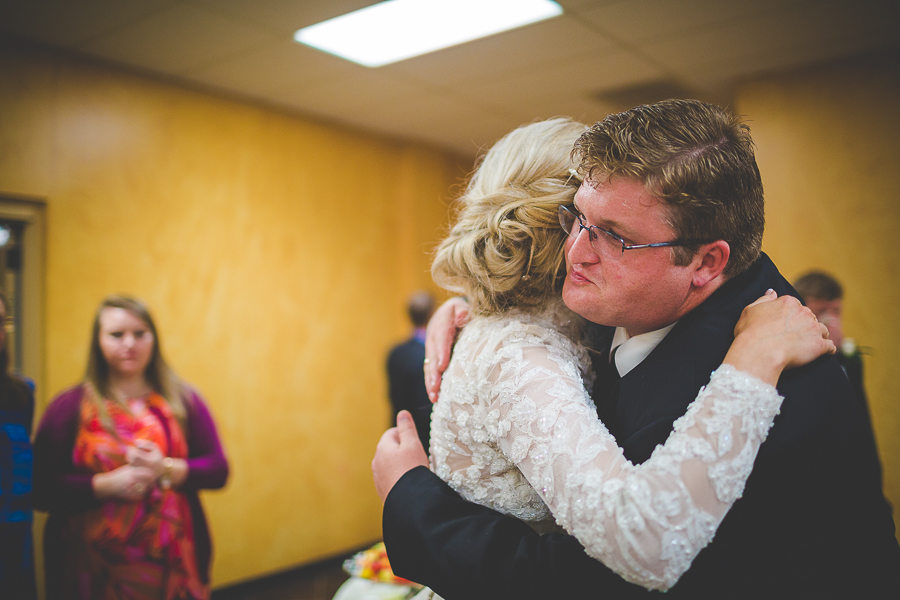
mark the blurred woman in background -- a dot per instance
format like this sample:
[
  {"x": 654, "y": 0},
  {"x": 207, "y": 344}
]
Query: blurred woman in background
[{"x": 118, "y": 463}]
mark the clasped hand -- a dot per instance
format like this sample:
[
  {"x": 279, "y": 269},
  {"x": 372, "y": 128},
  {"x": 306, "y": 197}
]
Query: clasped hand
[
  {"x": 146, "y": 454},
  {"x": 133, "y": 481}
]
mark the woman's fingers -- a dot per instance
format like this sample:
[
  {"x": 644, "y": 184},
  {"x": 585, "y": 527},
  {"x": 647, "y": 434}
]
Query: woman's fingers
[
  {"x": 767, "y": 297},
  {"x": 439, "y": 337}
]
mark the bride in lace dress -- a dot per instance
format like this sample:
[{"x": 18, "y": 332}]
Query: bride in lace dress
[{"x": 515, "y": 428}]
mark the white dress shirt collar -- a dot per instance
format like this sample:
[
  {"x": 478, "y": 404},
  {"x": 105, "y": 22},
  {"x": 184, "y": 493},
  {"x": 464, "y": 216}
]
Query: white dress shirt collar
[{"x": 632, "y": 350}]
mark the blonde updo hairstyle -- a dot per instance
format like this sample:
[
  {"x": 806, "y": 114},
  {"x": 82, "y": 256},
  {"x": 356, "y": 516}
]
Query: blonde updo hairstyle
[{"x": 506, "y": 249}]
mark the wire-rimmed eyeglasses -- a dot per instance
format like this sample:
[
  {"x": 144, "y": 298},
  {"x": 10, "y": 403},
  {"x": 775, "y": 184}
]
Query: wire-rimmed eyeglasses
[{"x": 605, "y": 243}]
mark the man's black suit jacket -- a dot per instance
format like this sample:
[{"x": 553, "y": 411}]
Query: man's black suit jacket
[
  {"x": 406, "y": 385},
  {"x": 812, "y": 522}
]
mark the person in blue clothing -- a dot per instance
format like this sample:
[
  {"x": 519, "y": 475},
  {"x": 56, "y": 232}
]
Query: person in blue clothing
[{"x": 16, "y": 416}]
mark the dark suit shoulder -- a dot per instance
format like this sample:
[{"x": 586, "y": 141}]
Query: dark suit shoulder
[{"x": 410, "y": 351}]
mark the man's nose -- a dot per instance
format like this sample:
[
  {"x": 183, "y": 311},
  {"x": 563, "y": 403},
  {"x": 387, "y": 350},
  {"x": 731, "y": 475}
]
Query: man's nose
[{"x": 579, "y": 247}]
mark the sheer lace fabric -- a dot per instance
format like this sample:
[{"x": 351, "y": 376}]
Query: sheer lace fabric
[{"x": 515, "y": 429}]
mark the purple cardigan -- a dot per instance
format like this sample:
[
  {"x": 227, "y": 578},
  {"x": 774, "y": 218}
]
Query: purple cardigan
[{"x": 61, "y": 490}]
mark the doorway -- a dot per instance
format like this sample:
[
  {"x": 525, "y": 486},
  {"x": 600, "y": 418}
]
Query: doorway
[{"x": 21, "y": 279}]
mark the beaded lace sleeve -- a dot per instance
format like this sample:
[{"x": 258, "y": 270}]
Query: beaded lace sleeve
[{"x": 647, "y": 522}]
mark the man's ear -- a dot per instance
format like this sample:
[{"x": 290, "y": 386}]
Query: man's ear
[{"x": 710, "y": 261}]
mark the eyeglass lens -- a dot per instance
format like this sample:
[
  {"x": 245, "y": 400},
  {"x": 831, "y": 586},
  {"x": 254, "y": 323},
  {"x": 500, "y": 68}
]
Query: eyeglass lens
[{"x": 602, "y": 241}]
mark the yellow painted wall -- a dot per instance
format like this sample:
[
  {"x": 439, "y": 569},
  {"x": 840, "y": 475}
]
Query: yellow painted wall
[
  {"x": 828, "y": 146},
  {"x": 276, "y": 253}
]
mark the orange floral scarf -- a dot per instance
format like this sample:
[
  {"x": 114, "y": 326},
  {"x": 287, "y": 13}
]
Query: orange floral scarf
[{"x": 133, "y": 550}]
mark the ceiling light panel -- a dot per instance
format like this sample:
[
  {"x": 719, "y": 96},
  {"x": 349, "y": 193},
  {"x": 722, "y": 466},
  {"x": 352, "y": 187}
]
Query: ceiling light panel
[{"x": 398, "y": 29}]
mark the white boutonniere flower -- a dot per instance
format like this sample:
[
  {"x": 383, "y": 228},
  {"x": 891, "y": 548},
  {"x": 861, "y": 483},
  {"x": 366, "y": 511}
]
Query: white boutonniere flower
[{"x": 849, "y": 347}]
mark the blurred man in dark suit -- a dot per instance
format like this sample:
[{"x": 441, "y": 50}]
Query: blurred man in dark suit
[
  {"x": 824, "y": 295},
  {"x": 406, "y": 381}
]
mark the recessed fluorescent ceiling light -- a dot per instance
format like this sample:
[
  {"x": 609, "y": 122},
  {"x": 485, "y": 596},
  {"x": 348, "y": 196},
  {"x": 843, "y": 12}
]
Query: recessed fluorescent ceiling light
[{"x": 397, "y": 29}]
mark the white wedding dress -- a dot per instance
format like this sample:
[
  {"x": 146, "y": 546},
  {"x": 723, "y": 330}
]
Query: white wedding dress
[{"x": 515, "y": 430}]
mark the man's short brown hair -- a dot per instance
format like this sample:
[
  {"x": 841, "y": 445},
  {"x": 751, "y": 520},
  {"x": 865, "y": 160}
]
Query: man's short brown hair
[
  {"x": 698, "y": 159},
  {"x": 819, "y": 285},
  {"x": 420, "y": 308}
]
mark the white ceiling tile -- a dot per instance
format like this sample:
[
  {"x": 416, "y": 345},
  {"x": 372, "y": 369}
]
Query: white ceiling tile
[
  {"x": 719, "y": 77},
  {"x": 347, "y": 94},
  {"x": 637, "y": 21},
  {"x": 574, "y": 6},
  {"x": 604, "y": 72},
  {"x": 178, "y": 38},
  {"x": 426, "y": 117},
  {"x": 468, "y": 133},
  {"x": 66, "y": 23},
  {"x": 285, "y": 15},
  {"x": 407, "y": 113},
  {"x": 277, "y": 66},
  {"x": 581, "y": 79},
  {"x": 549, "y": 43},
  {"x": 585, "y": 110},
  {"x": 808, "y": 30}
]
